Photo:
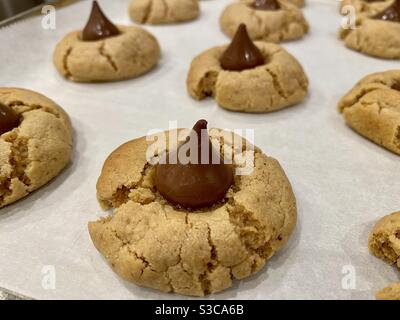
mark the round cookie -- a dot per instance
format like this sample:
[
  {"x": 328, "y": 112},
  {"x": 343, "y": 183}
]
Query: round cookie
[
  {"x": 372, "y": 109},
  {"x": 279, "y": 83},
  {"x": 391, "y": 292},
  {"x": 374, "y": 36},
  {"x": 384, "y": 240},
  {"x": 130, "y": 54},
  {"x": 154, "y": 244},
  {"x": 286, "y": 23},
  {"x": 365, "y": 7},
  {"x": 36, "y": 150},
  {"x": 163, "y": 11}
]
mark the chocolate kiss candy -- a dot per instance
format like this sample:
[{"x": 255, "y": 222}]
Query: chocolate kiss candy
[
  {"x": 98, "y": 27},
  {"x": 193, "y": 185},
  {"x": 242, "y": 53},
  {"x": 9, "y": 119},
  {"x": 266, "y": 5},
  {"x": 392, "y": 13}
]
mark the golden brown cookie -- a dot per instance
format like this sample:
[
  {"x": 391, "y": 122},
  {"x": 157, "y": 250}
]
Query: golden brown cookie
[
  {"x": 391, "y": 292},
  {"x": 279, "y": 83},
  {"x": 372, "y": 108},
  {"x": 384, "y": 240},
  {"x": 154, "y": 244},
  {"x": 299, "y": 3},
  {"x": 373, "y": 36},
  {"x": 287, "y": 23},
  {"x": 37, "y": 149},
  {"x": 365, "y": 7},
  {"x": 163, "y": 11},
  {"x": 130, "y": 54}
]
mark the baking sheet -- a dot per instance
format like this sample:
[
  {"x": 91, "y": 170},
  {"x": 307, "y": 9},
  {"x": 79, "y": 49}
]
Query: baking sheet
[{"x": 343, "y": 183}]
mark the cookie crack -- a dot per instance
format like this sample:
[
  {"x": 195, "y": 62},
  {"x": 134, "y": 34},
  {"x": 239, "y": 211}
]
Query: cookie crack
[
  {"x": 148, "y": 11},
  {"x": 108, "y": 57},
  {"x": 122, "y": 194},
  {"x": 31, "y": 107},
  {"x": 276, "y": 83},
  {"x": 67, "y": 54}
]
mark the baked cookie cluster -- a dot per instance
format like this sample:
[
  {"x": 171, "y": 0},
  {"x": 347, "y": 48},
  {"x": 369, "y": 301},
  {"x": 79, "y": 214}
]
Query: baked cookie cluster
[{"x": 195, "y": 227}]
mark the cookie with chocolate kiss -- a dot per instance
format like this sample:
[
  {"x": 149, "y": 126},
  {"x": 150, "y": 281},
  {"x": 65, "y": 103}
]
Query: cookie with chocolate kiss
[
  {"x": 248, "y": 76},
  {"x": 104, "y": 52},
  {"x": 266, "y": 20},
  {"x": 195, "y": 185},
  {"x": 376, "y": 34},
  {"x": 9, "y": 119},
  {"x": 155, "y": 243}
]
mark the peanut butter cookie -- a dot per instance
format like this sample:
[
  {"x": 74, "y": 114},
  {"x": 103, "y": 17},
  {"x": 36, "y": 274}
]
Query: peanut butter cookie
[
  {"x": 277, "y": 83},
  {"x": 377, "y": 34},
  {"x": 284, "y": 21},
  {"x": 384, "y": 240},
  {"x": 372, "y": 109},
  {"x": 163, "y": 11},
  {"x": 103, "y": 51},
  {"x": 36, "y": 147},
  {"x": 368, "y": 7},
  {"x": 128, "y": 55},
  {"x": 156, "y": 244}
]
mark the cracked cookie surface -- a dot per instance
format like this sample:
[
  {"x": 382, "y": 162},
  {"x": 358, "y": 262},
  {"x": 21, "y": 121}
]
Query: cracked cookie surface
[
  {"x": 287, "y": 23},
  {"x": 279, "y": 83},
  {"x": 377, "y": 38},
  {"x": 391, "y": 292},
  {"x": 37, "y": 150},
  {"x": 372, "y": 109},
  {"x": 128, "y": 55},
  {"x": 365, "y": 7},
  {"x": 154, "y": 244},
  {"x": 163, "y": 11}
]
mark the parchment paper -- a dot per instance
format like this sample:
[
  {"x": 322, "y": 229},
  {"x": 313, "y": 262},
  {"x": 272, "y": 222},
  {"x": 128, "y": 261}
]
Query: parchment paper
[{"x": 343, "y": 183}]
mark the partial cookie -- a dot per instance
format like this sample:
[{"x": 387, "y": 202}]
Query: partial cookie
[
  {"x": 376, "y": 35},
  {"x": 372, "y": 108},
  {"x": 279, "y": 83},
  {"x": 384, "y": 240},
  {"x": 391, "y": 292},
  {"x": 163, "y": 11},
  {"x": 365, "y": 6},
  {"x": 154, "y": 244},
  {"x": 36, "y": 150},
  {"x": 286, "y": 23}
]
